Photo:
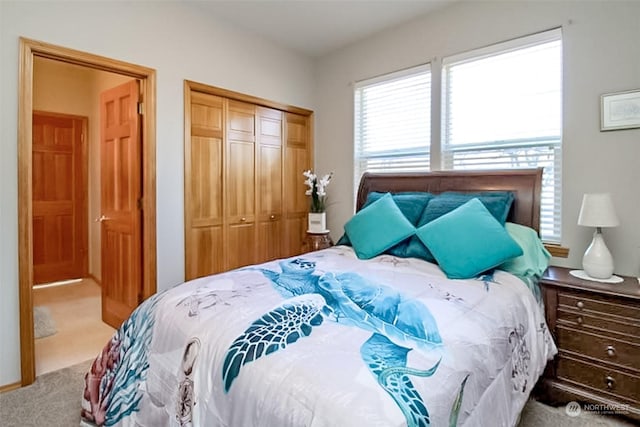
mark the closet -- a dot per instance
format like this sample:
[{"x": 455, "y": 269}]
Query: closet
[{"x": 244, "y": 189}]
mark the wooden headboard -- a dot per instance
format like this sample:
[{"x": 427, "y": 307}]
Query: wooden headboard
[{"x": 525, "y": 184}]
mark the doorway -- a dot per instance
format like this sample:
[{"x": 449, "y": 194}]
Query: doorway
[
  {"x": 69, "y": 323},
  {"x": 29, "y": 51}
]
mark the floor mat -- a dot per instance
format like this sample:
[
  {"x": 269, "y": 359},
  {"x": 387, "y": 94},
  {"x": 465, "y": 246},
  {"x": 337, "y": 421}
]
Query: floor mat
[{"x": 43, "y": 323}]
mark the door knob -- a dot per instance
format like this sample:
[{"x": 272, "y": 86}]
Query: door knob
[{"x": 102, "y": 219}]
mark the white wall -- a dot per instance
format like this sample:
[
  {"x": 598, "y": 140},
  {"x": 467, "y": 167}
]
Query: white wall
[
  {"x": 601, "y": 55},
  {"x": 180, "y": 43}
]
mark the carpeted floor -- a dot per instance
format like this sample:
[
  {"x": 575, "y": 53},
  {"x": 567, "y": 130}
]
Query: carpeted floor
[
  {"x": 54, "y": 401},
  {"x": 535, "y": 414}
]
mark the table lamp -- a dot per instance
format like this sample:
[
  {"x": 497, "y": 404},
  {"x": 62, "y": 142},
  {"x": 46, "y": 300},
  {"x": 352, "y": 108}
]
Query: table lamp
[{"x": 597, "y": 211}]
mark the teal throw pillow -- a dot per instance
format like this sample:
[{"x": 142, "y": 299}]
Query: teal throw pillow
[
  {"x": 468, "y": 241},
  {"x": 411, "y": 203},
  {"x": 378, "y": 227},
  {"x": 535, "y": 257},
  {"x": 497, "y": 202}
]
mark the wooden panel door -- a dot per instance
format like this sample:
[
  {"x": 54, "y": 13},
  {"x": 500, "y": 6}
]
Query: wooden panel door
[
  {"x": 204, "y": 187},
  {"x": 59, "y": 171},
  {"x": 297, "y": 160},
  {"x": 240, "y": 187},
  {"x": 270, "y": 186},
  {"x": 120, "y": 159}
]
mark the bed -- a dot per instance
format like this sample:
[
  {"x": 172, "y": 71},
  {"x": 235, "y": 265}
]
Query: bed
[{"x": 338, "y": 337}]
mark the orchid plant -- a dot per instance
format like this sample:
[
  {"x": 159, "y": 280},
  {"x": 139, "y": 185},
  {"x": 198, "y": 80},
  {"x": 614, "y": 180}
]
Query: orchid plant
[{"x": 317, "y": 190}]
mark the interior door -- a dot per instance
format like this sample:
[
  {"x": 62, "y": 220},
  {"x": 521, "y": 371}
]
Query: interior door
[
  {"x": 121, "y": 220},
  {"x": 59, "y": 197},
  {"x": 297, "y": 159}
]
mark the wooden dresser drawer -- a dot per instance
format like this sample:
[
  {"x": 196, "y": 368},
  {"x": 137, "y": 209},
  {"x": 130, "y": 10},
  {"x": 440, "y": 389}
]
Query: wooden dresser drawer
[
  {"x": 627, "y": 329},
  {"x": 603, "y": 348},
  {"x": 596, "y": 327},
  {"x": 598, "y": 305},
  {"x": 600, "y": 379}
]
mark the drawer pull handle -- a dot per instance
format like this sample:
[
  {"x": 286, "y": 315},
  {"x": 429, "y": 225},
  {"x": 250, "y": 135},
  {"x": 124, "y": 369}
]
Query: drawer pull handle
[
  {"x": 272, "y": 217},
  {"x": 243, "y": 219},
  {"x": 611, "y": 383},
  {"x": 611, "y": 351},
  {"x": 580, "y": 305},
  {"x": 579, "y": 320}
]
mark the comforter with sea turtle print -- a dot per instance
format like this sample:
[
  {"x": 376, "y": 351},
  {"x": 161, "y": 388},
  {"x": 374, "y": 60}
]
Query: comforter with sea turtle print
[{"x": 324, "y": 339}]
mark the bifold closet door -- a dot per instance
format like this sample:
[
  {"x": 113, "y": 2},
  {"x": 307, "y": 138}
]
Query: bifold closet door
[
  {"x": 204, "y": 249},
  {"x": 270, "y": 241},
  {"x": 245, "y": 197},
  {"x": 240, "y": 185}
]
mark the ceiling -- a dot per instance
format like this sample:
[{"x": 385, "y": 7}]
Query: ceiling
[{"x": 316, "y": 27}]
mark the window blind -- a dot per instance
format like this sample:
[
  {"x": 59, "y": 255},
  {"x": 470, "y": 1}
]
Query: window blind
[
  {"x": 502, "y": 109},
  {"x": 393, "y": 122}
]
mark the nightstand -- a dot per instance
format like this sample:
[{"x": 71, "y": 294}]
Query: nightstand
[
  {"x": 317, "y": 241},
  {"x": 596, "y": 327}
]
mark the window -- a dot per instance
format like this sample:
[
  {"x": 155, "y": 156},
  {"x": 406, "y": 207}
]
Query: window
[
  {"x": 393, "y": 122},
  {"x": 502, "y": 108}
]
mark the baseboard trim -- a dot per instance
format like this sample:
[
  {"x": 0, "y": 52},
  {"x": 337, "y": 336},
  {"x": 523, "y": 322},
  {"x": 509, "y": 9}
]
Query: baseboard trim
[
  {"x": 95, "y": 279},
  {"x": 10, "y": 387}
]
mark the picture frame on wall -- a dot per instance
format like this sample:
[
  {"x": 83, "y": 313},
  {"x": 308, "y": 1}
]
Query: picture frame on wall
[{"x": 620, "y": 110}]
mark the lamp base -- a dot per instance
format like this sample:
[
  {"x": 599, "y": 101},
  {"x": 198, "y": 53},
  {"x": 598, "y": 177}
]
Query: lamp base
[
  {"x": 581, "y": 274},
  {"x": 597, "y": 261}
]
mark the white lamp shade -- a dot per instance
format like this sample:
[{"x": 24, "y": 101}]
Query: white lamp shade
[{"x": 597, "y": 211}]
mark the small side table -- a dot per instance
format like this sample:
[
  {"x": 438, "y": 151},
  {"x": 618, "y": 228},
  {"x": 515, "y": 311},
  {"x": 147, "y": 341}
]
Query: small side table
[{"x": 317, "y": 241}]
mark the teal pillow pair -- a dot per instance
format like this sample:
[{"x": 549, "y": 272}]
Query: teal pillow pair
[
  {"x": 378, "y": 227},
  {"x": 465, "y": 242},
  {"x": 468, "y": 240},
  {"x": 498, "y": 203}
]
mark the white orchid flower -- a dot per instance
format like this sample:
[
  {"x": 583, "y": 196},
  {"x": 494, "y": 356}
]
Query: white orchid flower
[
  {"x": 325, "y": 179},
  {"x": 317, "y": 189}
]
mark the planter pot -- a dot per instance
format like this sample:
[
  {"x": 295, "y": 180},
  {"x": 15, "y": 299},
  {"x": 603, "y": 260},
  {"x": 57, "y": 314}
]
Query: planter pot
[{"x": 317, "y": 222}]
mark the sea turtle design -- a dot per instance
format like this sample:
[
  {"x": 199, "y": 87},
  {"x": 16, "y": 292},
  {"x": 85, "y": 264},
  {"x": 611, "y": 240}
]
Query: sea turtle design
[{"x": 398, "y": 325}]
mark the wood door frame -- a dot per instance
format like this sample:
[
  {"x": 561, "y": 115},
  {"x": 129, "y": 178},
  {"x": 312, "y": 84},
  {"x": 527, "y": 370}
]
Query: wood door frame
[
  {"x": 84, "y": 168},
  {"x": 29, "y": 49}
]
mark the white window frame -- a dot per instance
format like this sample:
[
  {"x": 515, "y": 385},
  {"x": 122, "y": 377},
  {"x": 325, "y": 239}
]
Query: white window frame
[
  {"x": 526, "y": 152},
  {"x": 416, "y": 158}
]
